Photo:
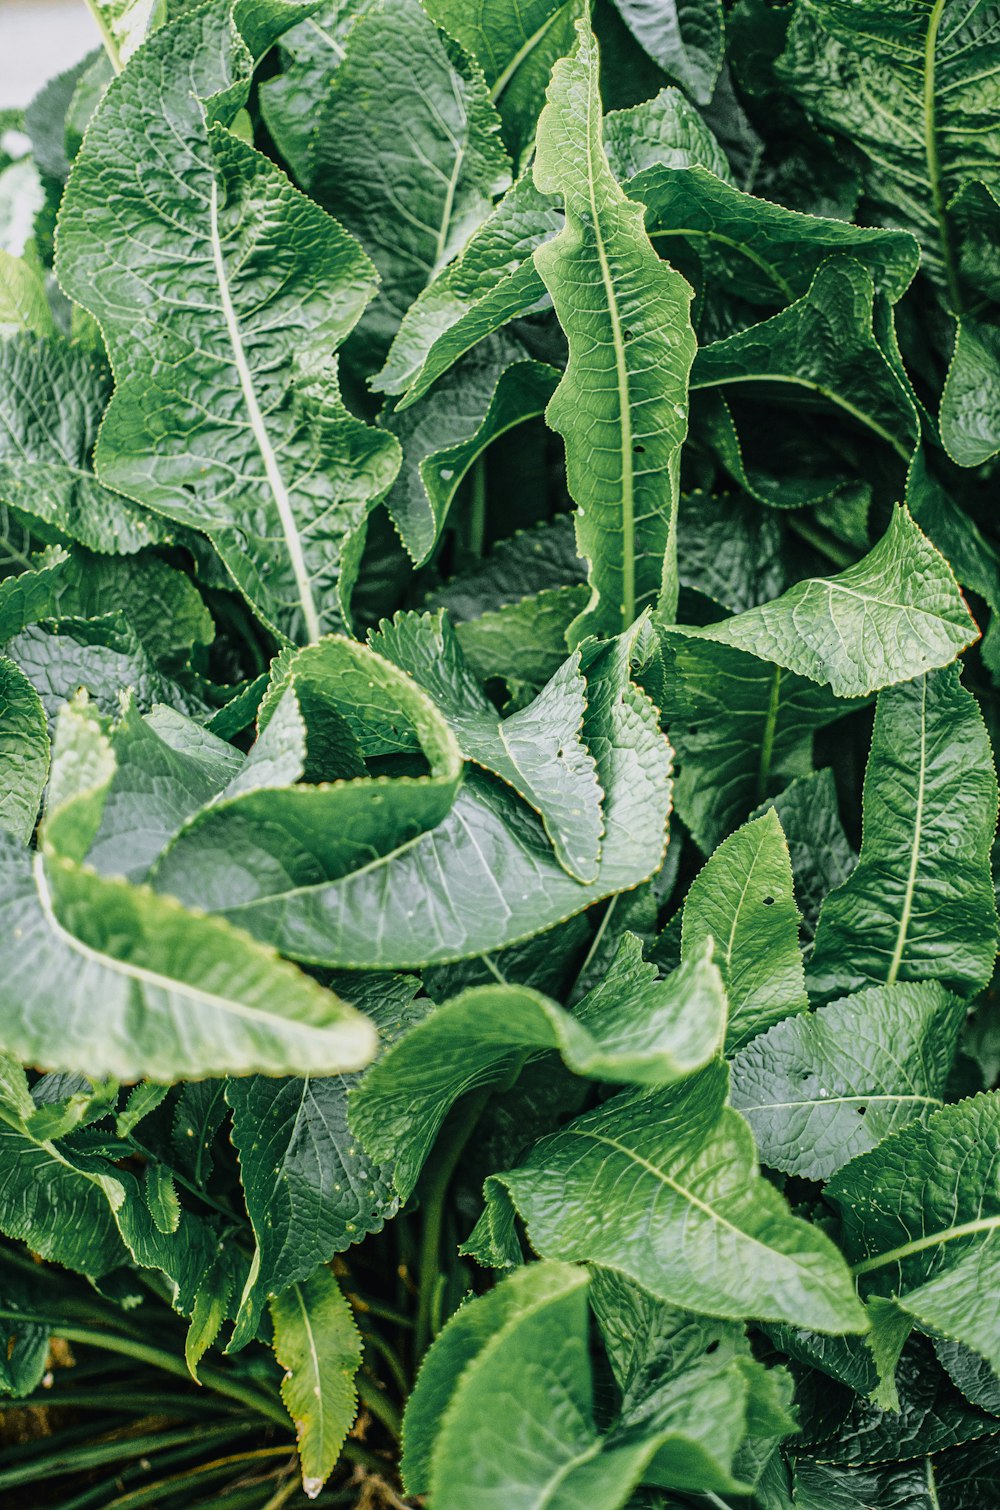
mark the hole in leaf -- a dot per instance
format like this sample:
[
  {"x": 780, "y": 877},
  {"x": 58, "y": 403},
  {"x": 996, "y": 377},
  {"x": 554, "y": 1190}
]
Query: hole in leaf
[
  {"x": 768, "y": 901},
  {"x": 862, "y": 1110},
  {"x": 639, "y": 450},
  {"x": 713, "y": 1347},
  {"x": 627, "y": 335}
]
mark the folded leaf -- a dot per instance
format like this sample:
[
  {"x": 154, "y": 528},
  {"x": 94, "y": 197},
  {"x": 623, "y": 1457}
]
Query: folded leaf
[
  {"x": 762, "y": 252},
  {"x": 823, "y": 344},
  {"x": 671, "y": 1028},
  {"x": 266, "y": 459},
  {"x": 95, "y": 957},
  {"x": 319, "y": 1346},
  {"x": 819, "y": 1089},
  {"x": 685, "y": 37},
  {"x": 695, "y": 1225},
  {"x": 436, "y": 894},
  {"x": 919, "y": 905},
  {"x": 622, "y": 405},
  {"x": 743, "y": 899},
  {"x": 896, "y": 613},
  {"x": 539, "y": 751},
  {"x": 970, "y": 402}
]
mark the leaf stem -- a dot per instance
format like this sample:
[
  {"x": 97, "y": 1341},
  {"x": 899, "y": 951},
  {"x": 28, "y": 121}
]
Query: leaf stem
[{"x": 449, "y": 1152}]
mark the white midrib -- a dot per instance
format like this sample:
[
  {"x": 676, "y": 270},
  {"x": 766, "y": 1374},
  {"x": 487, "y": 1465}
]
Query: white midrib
[
  {"x": 911, "y": 879},
  {"x": 153, "y": 978},
  {"x": 921, "y": 1244},
  {"x": 314, "y": 1356},
  {"x": 275, "y": 480}
]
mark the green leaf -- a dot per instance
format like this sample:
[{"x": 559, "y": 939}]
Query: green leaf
[
  {"x": 24, "y": 752},
  {"x": 685, "y": 37},
  {"x": 821, "y": 1088},
  {"x": 23, "y": 305},
  {"x": 539, "y": 751},
  {"x": 894, "y": 614},
  {"x": 51, "y": 399},
  {"x": 491, "y": 283},
  {"x": 484, "y": 878},
  {"x": 919, "y": 905},
  {"x": 319, "y": 1347},
  {"x": 970, "y": 401},
  {"x": 624, "y": 394},
  {"x": 822, "y": 858},
  {"x": 910, "y": 87},
  {"x": 143, "y": 1099},
  {"x": 741, "y": 726},
  {"x": 762, "y": 252},
  {"x": 632, "y": 1028},
  {"x": 161, "y": 1198},
  {"x": 310, "y": 53},
  {"x": 124, "y": 24},
  {"x": 691, "y": 1378},
  {"x": 489, "y": 392},
  {"x": 743, "y": 899},
  {"x": 95, "y": 957},
  {"x": 920, "y": 1219},
  {"x": 285, "y": 498},
  {"x": 404, "y": 96},
  {"x": 695, "y": 1223},
  {"x": 515, "y": 44},
  {"x": 663, "y": 131},
  {"x": 503, "y": 1409},
  {"x": 824, "y": 345},
  {"x": 60, "y": 1205},
  {"x": 523, "y": 642}
]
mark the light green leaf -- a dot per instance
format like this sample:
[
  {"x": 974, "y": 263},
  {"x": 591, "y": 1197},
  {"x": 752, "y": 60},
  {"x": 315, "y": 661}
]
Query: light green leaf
[
  {"x": 743, "y": 899},
  {"x": 896, "y": 613},
  {"x": 539, "y": 751},
  {"x": 256, "y": 448},
  {"x": 822, "y": 858},
  {"x": 665, "y": 131},
  {"x": 123, "y": 25},
  {"x": 319, "y": 1346},
  {"x": 23, "y": 305},
  {"x": 695, "y": 1223},
  {"x": 632, "y": 1028},
  {"x": 503, "y": 1411},
  {"x": 819, "y": 1089},
  {"x": 920, "y": 1217},
  {"x": 912, "y": 88},
  {"x": 622, "y": 405},
  {"x": 405, "y": 96},
  {"x": 143, "y": 1099},
  {"x": 24, "y": 752},
  {"x": 919, "y": 905},
  {"x": 95, "y": 957},
  {"x": 970, "y": 402},
  {"x": 161, "y": 1197}
]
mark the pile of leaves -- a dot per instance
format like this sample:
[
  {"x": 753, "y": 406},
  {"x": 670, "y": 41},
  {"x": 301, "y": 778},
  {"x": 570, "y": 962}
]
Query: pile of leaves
[{"x": 499, "y": 606}]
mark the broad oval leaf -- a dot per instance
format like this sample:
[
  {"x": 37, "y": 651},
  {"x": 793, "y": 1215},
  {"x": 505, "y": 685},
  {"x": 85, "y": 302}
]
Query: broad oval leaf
[
  {"x": 696, "y": 1224},
  {"x": 267, "y": 461},
  {"x": 821, "y": 1088}
]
